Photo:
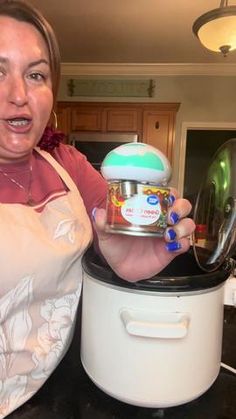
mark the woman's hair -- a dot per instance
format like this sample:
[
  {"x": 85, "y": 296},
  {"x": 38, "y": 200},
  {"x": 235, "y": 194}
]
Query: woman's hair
[{"x": 24, "y": 12}]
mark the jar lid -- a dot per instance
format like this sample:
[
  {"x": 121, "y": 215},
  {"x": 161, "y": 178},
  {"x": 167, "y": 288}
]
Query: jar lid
[
  {"x": 214, "y": 239},
  {"x": 136, "y": 161}
]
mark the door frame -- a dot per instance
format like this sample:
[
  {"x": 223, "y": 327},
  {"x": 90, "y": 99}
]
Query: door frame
[{"x": 185, "y": 127}]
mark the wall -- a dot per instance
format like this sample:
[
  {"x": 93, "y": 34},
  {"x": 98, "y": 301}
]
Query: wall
[{"x": 204, "y": 100}]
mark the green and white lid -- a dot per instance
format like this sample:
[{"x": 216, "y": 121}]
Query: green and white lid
[{"x": 136, "y": 161}]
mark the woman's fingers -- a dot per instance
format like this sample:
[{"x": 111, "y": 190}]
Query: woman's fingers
[
  {"x": 174, "y": 192},
  {"x": 99, "y": 219},
  {"x": 180, "y": 228},
  {"x": 180, "y": 209},
  {"x": 184, "y": 228}
]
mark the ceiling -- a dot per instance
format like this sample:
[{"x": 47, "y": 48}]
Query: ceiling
[{"x": 130, "y": 31}]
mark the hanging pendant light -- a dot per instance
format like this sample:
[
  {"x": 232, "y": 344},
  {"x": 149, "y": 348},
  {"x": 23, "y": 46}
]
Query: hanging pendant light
[{"x": 216, "y": 29}]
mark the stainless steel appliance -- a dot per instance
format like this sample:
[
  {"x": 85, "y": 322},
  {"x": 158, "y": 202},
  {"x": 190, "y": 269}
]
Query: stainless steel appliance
[{"x": 96, "y": 145}]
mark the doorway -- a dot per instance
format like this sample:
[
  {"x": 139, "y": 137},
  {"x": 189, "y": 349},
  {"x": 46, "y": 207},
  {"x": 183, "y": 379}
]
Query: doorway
[
  {"x": 219, "y": 133},
  {"x": 201, "y": 145}
]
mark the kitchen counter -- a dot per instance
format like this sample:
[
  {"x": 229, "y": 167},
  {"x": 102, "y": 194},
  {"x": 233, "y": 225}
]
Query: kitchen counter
[{"x": 70, "y": 394}]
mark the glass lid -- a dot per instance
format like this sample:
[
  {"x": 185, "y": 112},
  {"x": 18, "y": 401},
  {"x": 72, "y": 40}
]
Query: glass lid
[{"x": 215, "y": 210}]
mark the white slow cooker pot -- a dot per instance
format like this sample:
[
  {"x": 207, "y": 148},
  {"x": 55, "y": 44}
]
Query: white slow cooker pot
[
  {"x": 153, "y": 344},
  {"x": 157, "y": 343}
]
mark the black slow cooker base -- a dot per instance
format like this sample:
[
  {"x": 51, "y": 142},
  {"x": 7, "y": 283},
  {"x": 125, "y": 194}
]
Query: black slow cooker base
[{"x": 182, "y": 274}]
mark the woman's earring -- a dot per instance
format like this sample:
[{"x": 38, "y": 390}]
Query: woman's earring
[
  {"x": 51, "y": 138},
  {"x": 53, "y": 120}
]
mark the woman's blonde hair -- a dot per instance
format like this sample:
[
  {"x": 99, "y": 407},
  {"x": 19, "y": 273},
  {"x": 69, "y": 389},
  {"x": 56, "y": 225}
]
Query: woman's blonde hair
[{"x": 22, "y": 11}]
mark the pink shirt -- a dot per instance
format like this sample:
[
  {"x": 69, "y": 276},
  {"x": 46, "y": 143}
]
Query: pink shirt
[{"x": 46, "y": 183}]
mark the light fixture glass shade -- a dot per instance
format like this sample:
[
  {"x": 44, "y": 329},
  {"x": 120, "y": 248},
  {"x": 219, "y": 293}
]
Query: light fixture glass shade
[{"x": 216, "y": 29}]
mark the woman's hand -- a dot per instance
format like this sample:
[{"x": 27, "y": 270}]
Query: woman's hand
[{"x": 134, "y": 258}]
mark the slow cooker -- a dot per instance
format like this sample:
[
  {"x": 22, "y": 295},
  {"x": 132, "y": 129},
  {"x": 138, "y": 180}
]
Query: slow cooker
[{"x": 157, "y": 343}]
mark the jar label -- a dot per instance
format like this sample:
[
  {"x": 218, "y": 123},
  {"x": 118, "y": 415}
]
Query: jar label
[
  {"x": 141, "y": 209},
  {"x": 137, "y": 208}
]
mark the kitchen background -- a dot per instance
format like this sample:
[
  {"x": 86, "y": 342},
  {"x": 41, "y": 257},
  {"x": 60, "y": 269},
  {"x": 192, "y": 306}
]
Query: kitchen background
[
  {"x": 151, "y": 41},
  {"x": 206, "y": 103}
]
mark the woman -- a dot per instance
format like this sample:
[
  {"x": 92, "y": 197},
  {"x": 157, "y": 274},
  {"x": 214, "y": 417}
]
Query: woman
[{"x": 47, "y": 200}]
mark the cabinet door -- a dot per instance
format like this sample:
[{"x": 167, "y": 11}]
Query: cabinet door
[
  {"x": 158, "y": 130},
  {"x": 63, "y": 119},
  {"x": 86, "y": 118},
  {"x": 122, "y": 120}
]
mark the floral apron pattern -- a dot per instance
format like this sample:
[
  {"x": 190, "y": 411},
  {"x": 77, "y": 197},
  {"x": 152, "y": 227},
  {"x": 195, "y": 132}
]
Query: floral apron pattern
[{"x": 41, "y": 278}]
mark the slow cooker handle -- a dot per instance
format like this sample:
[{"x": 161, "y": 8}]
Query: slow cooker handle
[{"x": 155, "y": 325}]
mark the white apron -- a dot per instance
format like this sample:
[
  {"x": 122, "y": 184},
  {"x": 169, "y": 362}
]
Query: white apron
[{"x": 40, "y": 284}]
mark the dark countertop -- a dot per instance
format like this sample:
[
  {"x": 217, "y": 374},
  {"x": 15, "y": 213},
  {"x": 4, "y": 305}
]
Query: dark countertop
[{"x": 70, "y": 394}]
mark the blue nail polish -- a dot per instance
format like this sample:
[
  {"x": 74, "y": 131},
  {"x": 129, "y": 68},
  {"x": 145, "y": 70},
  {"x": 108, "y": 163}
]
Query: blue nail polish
[
  {"x": 173, "y": 246},
  {"x": 93, "y": 213},
  {"x": 174, "y": 217},
  {"x": 171, "y": 234},
  {"x": 171, "y": 200}
]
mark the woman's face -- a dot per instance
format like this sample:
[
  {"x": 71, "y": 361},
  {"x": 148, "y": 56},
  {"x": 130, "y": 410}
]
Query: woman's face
[{"x": 26, "y": 97}]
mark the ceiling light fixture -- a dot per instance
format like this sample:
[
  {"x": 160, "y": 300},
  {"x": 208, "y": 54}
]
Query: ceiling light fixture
[{"x": 216, "y": 29}]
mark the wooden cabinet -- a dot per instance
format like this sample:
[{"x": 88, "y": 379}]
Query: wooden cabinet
[
  {"x": 153, "y": 122},
  {"x": 86, "y": 118},
  {"x": 158, "y": 130},
  {"x": 122, "y": 120}
]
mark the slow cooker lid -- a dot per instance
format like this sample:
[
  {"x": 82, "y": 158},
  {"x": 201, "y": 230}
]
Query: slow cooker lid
[{"x": 215, "y": 210}]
